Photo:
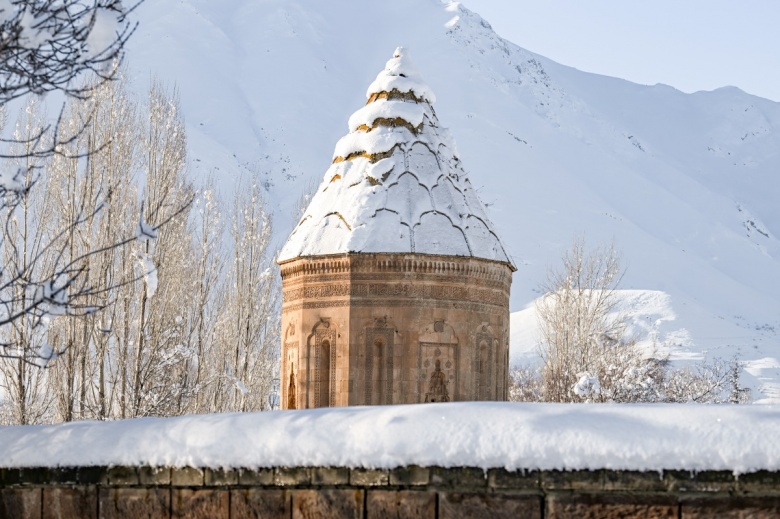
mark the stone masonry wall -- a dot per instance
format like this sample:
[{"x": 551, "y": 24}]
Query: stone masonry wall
[
  {"x": 370, "y": 329},
  {"x": 119, "y": 492}
]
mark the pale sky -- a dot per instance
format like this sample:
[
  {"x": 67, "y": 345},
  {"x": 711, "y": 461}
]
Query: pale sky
[{"x": 688, "y": 44}]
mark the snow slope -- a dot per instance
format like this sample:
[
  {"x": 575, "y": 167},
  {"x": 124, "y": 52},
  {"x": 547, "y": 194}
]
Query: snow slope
[
  {"x": 686, "y": 185},
  {"x": 476, "y": 434}
]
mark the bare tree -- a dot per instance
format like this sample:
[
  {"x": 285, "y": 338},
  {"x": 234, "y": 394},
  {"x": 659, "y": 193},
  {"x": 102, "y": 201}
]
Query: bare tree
[
  {"x": 105, "y": 179},
  {"x": 525, "y": 384},
  {"x": 25, "y": 239},
  {"x": 127, "y": 360},
  {"x": 49, "y": 45},
  {"x": 587, "y": 353},
  {"x": 159, "y": 353},
  {"x": 194, "y": 336},
  {"x": 207, "y": 292},
  {"x": 248, "y": 333},
  {"x": 715, "y": 381}
]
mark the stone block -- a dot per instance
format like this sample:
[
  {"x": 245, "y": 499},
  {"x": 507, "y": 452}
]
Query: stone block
[
  {"x": 201, "y": 503},
  {"x": 187, "y": 477},
  {"x": 122, "y": 476},
  {"x": 410, "y": 476},
  {"x": 489, "y": 506},
  {"x": 154, "y": 475},
  {"x": 64, "y": 475},
  {"x": 381, "y": 504},
  {"x": 221, "y": 477},
  {"x": 34, "y": 476},
  {"x": 583, "y": 480},
  {"x": 92, "y": 475},
  {"x": 292, "y": 476},
  {"x": 20, "y": 502},
  {"x": 262, "y": 503},
  {"x": 611, "y": 506},
  {"x": 12, "y": 477},
  {"x": 369, "y": 477},
  {"x": 470, "y": 478},
  {"x": 633, "y": 481},
  {"x": 502, "y": 479},
  {"x": 731, "y": 507},
  {"x": 715, "y": 481},
  {"x": 331, "y": 502},
  {"x": 330, "y": 476},
  {"x": 256, "y": 477},
  {"x": 762, "y": 481},
  {"x": 124, "y": 502},
  {"x": 707, "y": 481},
  {"x": 70, "y": 502}
]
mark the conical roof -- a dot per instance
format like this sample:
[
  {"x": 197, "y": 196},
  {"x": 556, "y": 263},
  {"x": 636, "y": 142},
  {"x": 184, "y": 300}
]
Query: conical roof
[{"x": 396, "y": 184}]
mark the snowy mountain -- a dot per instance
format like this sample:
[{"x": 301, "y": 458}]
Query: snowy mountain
[{"x": 685, "y": 185}]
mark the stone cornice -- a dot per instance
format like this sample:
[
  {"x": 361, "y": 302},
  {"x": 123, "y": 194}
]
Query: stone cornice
[{"x": 459, "y": 267}]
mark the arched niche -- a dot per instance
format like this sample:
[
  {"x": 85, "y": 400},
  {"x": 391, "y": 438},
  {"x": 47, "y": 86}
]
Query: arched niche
[
  {"x": 485, "y": 362},
  {"x": 321, "y": 368},
  {"x": 379, "y": 335},
  {"x": 290, "y": 368}
]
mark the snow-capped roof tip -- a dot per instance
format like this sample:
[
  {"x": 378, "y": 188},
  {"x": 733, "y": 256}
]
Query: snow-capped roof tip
[
  {"x": 396, "y": 184},
  {"x": 400, "y": 75}
]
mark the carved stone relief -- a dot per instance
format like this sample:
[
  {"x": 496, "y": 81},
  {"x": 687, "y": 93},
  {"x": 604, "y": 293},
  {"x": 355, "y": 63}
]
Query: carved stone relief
[
  {"x": 291, "y": 389},
  {"x": 437, "y": 385},
  {"x": 445, "y": 357}
]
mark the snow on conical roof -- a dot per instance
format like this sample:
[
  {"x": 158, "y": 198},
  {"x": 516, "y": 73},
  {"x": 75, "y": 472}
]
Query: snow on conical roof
[{"x": 396, "y": 184}]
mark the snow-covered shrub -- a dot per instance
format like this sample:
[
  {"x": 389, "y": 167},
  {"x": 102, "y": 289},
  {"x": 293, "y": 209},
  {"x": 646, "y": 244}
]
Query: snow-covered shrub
[
  {"x": 525, "y": 384},
  {"x": 588, "y": 355},
  {"x": 716, "y": 381},
  {"x": 583, "y": 331}
]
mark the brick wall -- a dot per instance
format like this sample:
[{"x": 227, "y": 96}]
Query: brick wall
[{"x": 119, "y": 492}]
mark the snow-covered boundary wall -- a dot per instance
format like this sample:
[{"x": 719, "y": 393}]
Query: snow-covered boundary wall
[
  {"x": 648, "y": 437},
  {"x": 467, "y": 459}
]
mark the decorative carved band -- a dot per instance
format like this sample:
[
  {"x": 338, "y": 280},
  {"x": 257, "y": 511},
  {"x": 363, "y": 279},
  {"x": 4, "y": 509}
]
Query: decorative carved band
[
  {"x": 374, "y": 277},
  {"x": 314, "y": 305},
  {"x": 401, "y": 290},
  {"x": 406, "y": 263},
  {"x": 412, "y": 303},
  {"x": 316, "y": 291}
]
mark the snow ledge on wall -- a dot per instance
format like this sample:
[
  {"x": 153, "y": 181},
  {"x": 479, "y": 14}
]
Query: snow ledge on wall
[{"x": 651, "y": 437}]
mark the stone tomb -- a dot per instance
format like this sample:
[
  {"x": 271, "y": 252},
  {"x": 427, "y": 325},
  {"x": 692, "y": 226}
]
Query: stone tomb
[{"x": 396, "y": 285}]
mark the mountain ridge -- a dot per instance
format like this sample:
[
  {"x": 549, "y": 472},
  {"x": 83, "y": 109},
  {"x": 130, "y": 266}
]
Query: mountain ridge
[{"x": 683, "y": 184}]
